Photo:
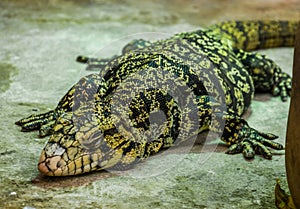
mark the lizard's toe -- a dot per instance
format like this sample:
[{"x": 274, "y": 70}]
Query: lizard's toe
[{"x": 254, "y": 142}]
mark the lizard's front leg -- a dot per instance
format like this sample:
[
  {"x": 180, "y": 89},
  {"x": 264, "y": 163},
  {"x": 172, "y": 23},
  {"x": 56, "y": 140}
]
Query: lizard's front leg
[
  {"x": 94, "y": 64},
  {"x": 244, "y": 139},
  {"x": 81, "y": 92},
  {"x": 240, "y": 137}
]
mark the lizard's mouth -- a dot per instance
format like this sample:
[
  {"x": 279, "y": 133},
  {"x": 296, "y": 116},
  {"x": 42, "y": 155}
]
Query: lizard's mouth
[
  {"x": 59, "y": 160},
  {"x": 66, "y": 162}
]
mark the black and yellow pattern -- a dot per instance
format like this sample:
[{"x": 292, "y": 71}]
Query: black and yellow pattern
[{"x": 191, "y": 82}]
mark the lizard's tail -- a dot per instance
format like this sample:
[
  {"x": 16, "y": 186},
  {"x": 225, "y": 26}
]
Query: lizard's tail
[{"x": 251, "y": 35}]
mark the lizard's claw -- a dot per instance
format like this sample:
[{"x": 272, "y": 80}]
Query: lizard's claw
[
  {"x": 283, "y": 87},
  {"x": 254, "y": 142},
  {"x": 43, "y": 122}
]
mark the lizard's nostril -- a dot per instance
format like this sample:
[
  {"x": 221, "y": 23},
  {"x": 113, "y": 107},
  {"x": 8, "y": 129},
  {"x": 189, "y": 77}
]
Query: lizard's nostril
[
  {"x": 43, "y": 168},
  {"x": 50, "y": 166}
]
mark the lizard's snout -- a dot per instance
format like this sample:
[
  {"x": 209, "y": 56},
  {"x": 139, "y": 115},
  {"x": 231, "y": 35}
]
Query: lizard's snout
[
  {"x": 51, "y": 166},
  {"x": 51, "y": 161}
]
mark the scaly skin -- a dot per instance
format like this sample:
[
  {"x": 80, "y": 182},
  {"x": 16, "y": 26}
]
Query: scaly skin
[{"x": 210, "y": 66}]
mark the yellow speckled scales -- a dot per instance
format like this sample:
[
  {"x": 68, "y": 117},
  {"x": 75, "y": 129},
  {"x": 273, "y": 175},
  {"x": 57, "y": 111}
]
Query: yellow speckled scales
[
  {"x": 252, "y": 35},
  {"x": 158, "y": 94}
]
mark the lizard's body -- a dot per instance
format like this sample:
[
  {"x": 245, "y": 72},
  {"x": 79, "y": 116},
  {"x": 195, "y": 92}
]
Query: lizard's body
[{"x": 211, "y": 64}]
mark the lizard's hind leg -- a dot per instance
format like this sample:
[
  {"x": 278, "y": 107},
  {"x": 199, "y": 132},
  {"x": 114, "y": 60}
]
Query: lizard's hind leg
[{"x": 266, "y": 74}]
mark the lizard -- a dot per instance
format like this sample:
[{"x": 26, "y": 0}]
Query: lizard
[{"x": 214, "y": 66}]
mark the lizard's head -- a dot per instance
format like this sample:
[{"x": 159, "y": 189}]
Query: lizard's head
[
  {"x": 76, "y": 146},
  {"x": 63, "y": 154}
]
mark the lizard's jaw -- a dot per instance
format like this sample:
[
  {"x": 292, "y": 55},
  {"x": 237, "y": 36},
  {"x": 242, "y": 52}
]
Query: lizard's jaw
[
  {"x": 53, "y": 164},
  {"x": 57, "y": 166},
  {"x": 58, "y": 161}
]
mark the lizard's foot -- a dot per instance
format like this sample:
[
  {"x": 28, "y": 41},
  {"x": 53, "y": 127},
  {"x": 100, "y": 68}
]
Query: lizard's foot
[
  {"x": 254, "y": 142},
  {"x": 283, "y": 86},
  {"x": 43, "y": 122}
]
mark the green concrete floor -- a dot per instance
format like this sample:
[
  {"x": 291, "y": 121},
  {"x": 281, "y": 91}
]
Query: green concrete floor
[{"x": 39, "y": 42}]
